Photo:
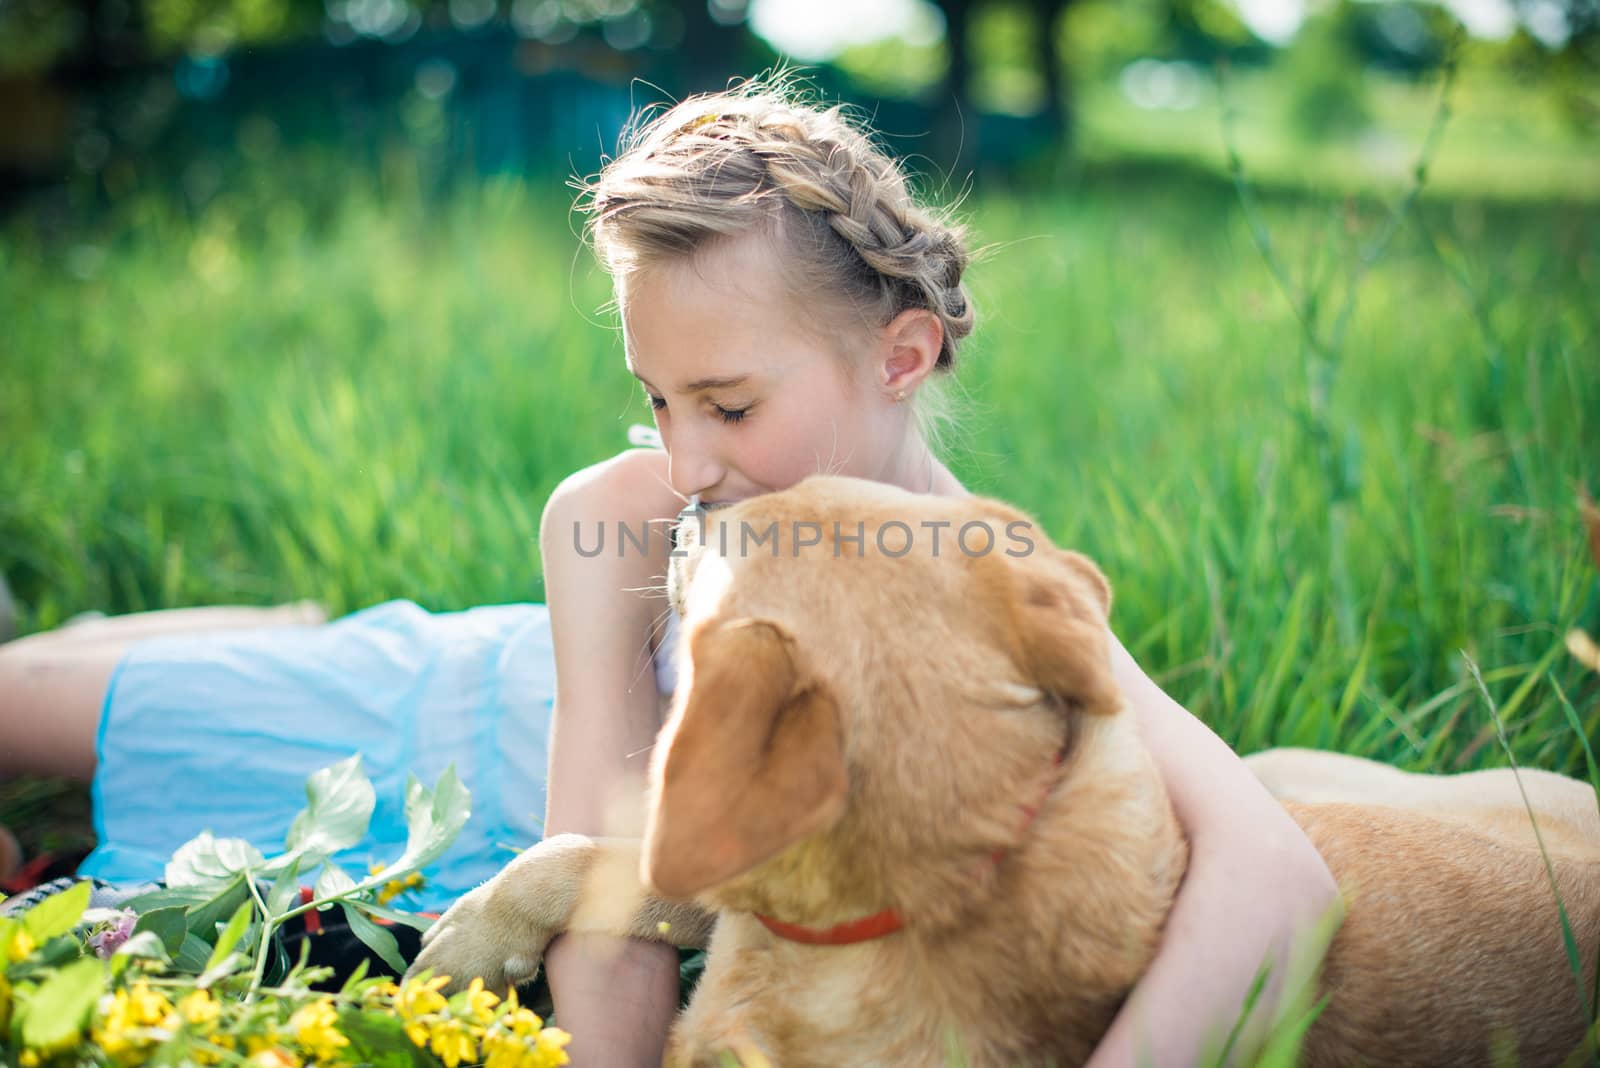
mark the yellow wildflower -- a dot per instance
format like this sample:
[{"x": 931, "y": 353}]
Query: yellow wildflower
[
  {"x": 29, "y": 1059},
  {"x": 501, "y": 1050},
  {"x": 452, "y": 1043},
  {"x": 518, "y": 1040},
  {"x": 265, "y": 1042},
  {"x": 379, "y": 993},
  {"x": 21, "y": 945},
  {"x": 313, "y": 1027},
  {"x": 395, "y": 887},
  {"x": 213, "y": 1048},
  {"x": 417, "y": 1031},
  {"x": 481, "y": 1003},
  {"x": 276, "y": 1057},
  {"x": 204, "y": 1055},
  {"x": 199, "y": 1008},
  {"x": 128, "y": 1018},
  {"x": 552, "y": 1047},
  {"x": 418, "y": 999},
  {"x": 151, "y": 1005},
  {"x": 524, "y": 1023}
]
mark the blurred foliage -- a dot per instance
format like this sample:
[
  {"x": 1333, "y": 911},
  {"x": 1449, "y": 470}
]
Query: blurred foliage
[
  {"x": 1007, "y": 80},
  {"x": 1327, "y": 90},
  {"x": 993, "y": 85}
]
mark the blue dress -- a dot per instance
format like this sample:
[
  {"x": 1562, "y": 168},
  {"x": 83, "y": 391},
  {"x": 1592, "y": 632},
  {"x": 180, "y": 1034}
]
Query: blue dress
[{"x": 219, "y": 732}]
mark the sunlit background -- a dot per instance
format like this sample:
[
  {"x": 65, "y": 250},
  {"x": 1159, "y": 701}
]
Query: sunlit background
[{"x": 109, "y": 90}]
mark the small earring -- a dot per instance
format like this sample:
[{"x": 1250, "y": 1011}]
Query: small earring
[{"x": 899, "y": 395}]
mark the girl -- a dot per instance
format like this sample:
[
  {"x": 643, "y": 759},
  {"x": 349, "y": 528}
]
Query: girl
[{"x": 787, "y": 308}]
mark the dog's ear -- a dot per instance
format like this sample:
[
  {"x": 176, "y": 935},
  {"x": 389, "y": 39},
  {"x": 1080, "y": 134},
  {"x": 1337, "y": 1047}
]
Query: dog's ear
[
  {"x": 751, "y": 762},
  {"x": 1058, "y": 603}
]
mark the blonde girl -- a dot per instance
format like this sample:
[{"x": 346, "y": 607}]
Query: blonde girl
[
  {"x": 785, "y": 305},
  {"x": 787, "y": 308}
]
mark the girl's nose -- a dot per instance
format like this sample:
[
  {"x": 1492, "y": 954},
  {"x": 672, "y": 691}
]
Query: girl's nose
[{"x": 693, "y": 469}]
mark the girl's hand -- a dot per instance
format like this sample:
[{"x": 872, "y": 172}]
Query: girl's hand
[{"x": 1255, "y": 890}]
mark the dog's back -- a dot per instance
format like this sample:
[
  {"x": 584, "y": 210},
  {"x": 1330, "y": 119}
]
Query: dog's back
[{"x": 1451, "y": 951}]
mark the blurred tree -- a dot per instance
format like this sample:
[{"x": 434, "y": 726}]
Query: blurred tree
[
  {"x": 1568, "y": 26},
  {"x": 1404, "y": 36},
  {"x": 1327, "y": 91},
  {"x": 1029, "y": 28},
  {"x": 1204, "y": 31},
  {"x": 716, "y": 43},
  {"x": 955, "y": 94},
  {"x": 1048, "y": 16}
]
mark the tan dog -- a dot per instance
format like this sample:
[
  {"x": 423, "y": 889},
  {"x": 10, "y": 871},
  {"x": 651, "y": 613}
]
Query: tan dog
[{"x": 918, "y": 760}]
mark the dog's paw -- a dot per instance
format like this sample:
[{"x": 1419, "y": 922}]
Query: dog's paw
[
  {"x": 470, "y": 941},
  {"x": 499, "y": 931}
]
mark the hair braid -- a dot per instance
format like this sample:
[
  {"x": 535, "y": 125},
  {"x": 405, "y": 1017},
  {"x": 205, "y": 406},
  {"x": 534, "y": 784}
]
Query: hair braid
[{"x": 723, "y": 164}]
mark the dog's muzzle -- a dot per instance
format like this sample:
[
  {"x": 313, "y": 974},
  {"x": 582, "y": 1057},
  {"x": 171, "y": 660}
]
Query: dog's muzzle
[{"x": 687, "y": 534}]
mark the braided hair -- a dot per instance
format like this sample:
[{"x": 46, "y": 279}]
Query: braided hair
[{"x": 718, "y": 166}]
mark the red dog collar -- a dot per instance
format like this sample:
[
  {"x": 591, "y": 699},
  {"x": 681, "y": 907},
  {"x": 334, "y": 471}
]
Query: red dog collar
[{"x": 888, "y": 921}]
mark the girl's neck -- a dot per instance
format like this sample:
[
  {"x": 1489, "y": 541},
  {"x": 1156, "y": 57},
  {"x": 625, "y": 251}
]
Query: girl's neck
[{"x": 921, "y": 472}]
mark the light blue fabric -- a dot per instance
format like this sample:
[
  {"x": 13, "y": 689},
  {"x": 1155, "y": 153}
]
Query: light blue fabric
[{"x": 219, "y": 732}]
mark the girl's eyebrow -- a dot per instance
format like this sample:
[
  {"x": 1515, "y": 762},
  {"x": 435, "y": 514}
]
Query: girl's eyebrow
[{"x": 714, "y": 382}]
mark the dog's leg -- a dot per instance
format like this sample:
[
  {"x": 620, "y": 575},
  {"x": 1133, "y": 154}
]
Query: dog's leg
[{"x": 499, "y": 931}]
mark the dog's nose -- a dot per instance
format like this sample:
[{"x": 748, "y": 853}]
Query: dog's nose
[
  {"x": 686, "y": 534},
  {"x": 690, "y": 525}
]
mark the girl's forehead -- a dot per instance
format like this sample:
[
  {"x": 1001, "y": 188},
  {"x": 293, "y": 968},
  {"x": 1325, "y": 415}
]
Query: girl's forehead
[{"x": 744, "y": 270}]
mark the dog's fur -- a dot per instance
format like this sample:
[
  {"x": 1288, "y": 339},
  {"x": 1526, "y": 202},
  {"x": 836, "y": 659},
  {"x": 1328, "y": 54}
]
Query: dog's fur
[{"x": 855, "y": 731}]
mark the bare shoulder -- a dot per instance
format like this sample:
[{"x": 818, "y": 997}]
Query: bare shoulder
[
  {"x": 595, "y": 583},
  {"x": 630, "y": 485}
]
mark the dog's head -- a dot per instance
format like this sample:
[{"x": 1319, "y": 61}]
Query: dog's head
[{"x": 865, "y": 670}]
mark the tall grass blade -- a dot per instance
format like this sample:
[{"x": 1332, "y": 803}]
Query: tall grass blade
[{"x": 1574, "y": 960}]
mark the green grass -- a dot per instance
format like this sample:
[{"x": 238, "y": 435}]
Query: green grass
[
  {"x": 334, "y": 386},
  {"x": 1506, "y": 140}
]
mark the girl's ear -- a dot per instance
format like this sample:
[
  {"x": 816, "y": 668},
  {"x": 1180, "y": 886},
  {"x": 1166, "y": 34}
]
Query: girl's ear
[{"x": 908, "y": 349}]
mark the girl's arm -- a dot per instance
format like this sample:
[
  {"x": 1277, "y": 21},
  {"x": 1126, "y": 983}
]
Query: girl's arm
[
  {"x": 1255, "y": 888},
  {"x": 616, "y": 997}
]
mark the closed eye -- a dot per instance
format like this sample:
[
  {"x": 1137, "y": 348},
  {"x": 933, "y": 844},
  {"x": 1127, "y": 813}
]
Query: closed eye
[{"x": 727, "y": 415}]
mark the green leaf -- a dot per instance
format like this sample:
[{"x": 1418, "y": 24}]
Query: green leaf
[
  {"x": 53, "y": 1015},
  {"x": 167, "y": 924},
  {"x": 203, "y": 918},
  {"x": 231, "y": 934},
  {"x": 380, "y": 1040},
  {"x": 377, "y": 939},
  {"x": 192, "y": 954},
  {"x": 285, "y": 888},
  {"x": 223, "y": 968},
  {"x": 146, "y": 945},
  {"x": 169, "y": 897},
  {"x": 340, "y": 800},
  {"x": 46, "y": 958},
  {"x": 58, "y": 913},
  {"x": 410, "y": 919},
  {"x": 433, "y": 819},
  {"x": 362, "y": 967},
  {"x": 333, "y": 880},
  {"x": 205, "y": 860}
]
